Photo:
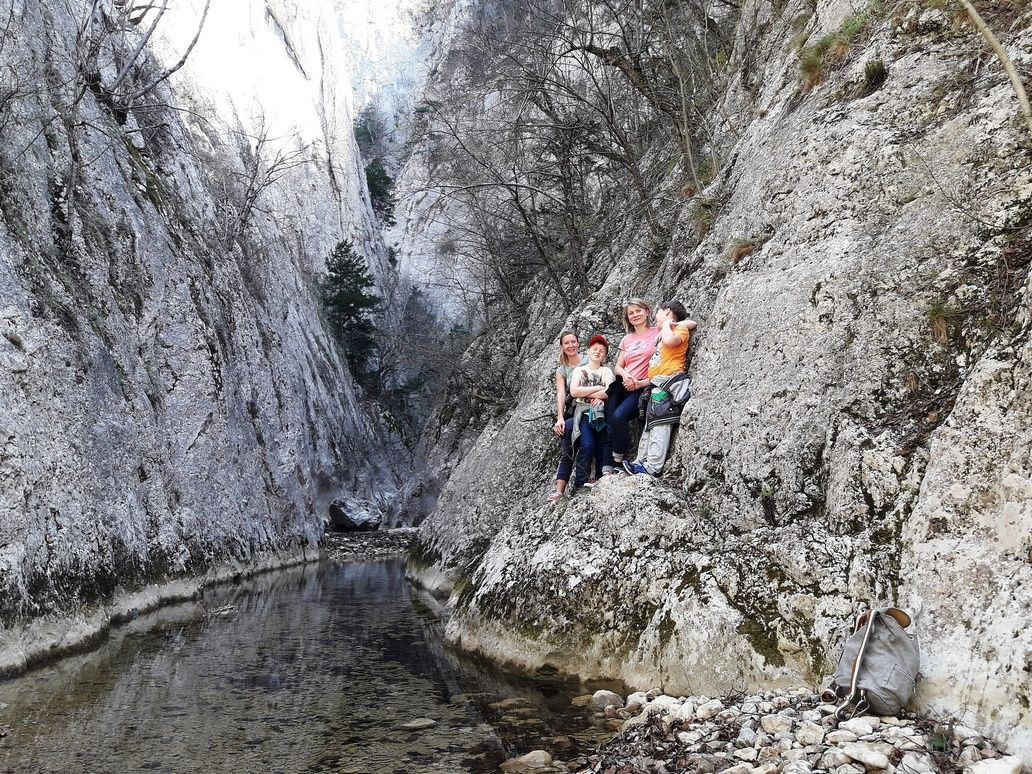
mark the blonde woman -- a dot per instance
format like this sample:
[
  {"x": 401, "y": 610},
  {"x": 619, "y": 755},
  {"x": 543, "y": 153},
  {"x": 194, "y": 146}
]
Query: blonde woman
[
  {"x": 632, "y": 378},
  {"x": 569, "y": 358}
]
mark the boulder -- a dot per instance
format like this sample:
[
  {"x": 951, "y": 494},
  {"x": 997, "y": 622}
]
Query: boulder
[
  {"x": 537, "y": 759},
  {"x": 354, "y": 515}
]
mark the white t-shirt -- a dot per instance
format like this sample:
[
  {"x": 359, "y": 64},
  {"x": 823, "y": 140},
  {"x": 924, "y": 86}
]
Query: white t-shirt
[{"x": 585, "y": 376}]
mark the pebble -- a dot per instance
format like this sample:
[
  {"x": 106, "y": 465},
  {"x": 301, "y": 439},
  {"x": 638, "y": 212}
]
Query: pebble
[
  {"x": 963, "y": 733},
  {"x": 662, "y": 705},
  {"x": 418, "y": 724},
  {"x": 915, "y": 763},
  {"x": 858, "y": 726},
  {"x": 537, "y": 759},
  {"x": 783, "y": 733},
  {"x": 772, "y": 724},
  {"x": 685, "y": 712},
  {"x": 839, "y": 737},
  {"x": 709, "y": 709},
  {"x": 867, "y": 755},
  {"x": 833, "y": 759},
  {"x": 810, "y": 733},
  {"x": 746, "y": 737}
]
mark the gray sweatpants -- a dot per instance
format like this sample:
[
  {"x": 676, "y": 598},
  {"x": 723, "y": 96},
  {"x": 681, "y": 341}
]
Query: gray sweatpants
[{"x": 653, "y": 447}]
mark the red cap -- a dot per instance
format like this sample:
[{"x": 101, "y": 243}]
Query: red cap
[{"x": 598, "y": 338}]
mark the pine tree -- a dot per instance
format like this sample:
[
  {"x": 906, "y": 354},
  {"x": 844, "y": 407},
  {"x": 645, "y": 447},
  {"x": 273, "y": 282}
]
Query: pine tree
[{"x": 347, "y": 297}]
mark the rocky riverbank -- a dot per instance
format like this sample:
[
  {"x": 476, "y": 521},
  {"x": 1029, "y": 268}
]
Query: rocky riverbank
[
  {"x": 370, "y": 546},
  {"x": 787, "y": 732}
]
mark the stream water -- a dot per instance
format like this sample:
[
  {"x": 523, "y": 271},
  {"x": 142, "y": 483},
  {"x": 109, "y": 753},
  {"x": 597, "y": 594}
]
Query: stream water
[{"x": 312, "y": 669}]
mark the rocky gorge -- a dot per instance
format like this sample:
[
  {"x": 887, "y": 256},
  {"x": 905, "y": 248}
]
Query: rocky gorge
[{"x": 838, "y": 191}]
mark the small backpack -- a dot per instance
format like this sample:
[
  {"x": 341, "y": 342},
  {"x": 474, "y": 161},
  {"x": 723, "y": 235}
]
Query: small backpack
[
  {"x": 665, "y": 404},
  {"x": 879, "y": 664}
]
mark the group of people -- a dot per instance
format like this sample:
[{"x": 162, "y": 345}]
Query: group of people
[{"x": 595, "y": 404}]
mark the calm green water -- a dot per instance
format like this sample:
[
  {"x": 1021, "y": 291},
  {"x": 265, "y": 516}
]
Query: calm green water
[{"x": 311, "y": 669}]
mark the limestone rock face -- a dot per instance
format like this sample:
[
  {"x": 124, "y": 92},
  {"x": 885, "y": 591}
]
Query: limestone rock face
[
  {"x": 859, "y": 426},
  {"x": 170, "y": 398}
]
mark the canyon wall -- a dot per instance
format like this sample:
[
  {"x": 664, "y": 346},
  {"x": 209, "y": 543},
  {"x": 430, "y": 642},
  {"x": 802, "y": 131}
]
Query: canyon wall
[
  {"x": 171, "y": 399},
  {"x": 859, "y": 426}
]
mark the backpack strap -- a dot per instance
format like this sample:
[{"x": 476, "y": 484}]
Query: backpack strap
[{"x": 861, "y": 705}]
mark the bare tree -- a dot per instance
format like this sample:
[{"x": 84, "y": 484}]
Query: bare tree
[{"x": 264, "y": 162}]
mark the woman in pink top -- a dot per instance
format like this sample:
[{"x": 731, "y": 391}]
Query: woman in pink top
[{"x": 632, "y": 367}]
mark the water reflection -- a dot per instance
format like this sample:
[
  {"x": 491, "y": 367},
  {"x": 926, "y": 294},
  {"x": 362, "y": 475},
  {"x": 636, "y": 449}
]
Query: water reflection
[{"x": 305, "y": 670}]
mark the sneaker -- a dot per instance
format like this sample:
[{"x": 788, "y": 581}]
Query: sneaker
[
  {"x": 588, "y": 484},
  {"x": 628, "y": 467},
  {"x": 635, "y": 468},
  {"x": 611, "y": 470}
]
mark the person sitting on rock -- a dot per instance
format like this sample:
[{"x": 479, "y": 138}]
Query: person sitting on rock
[
  {"x": 588, "y": 385},
  {"x": 569, "y": 359},
  {"x": 668, "y": 359},
  {"x": 632, "y": 366}
]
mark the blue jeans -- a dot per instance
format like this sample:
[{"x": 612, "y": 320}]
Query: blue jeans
[
  {"x": 622, "y": 408},
  {"x": 586, "y": 445}
]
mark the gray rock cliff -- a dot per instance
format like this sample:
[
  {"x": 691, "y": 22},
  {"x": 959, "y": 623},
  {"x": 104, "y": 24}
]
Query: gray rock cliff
[
  {"x": 171, "y": 401},
  {"x": 859, "y": 428}
]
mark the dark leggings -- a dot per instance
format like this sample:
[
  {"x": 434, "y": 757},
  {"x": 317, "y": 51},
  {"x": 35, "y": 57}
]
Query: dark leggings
[{"x": 623, "y": 407}]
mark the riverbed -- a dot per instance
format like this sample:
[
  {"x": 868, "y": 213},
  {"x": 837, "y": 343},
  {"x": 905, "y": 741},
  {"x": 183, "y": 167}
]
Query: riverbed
[{"x": 312, "y": 669}]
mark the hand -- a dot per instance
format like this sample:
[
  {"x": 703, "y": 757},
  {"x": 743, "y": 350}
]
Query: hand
[
  {"x": 559, "y": 427},
  {"x": 629, "y": 383},
  {"x": 597, "y": 403}
]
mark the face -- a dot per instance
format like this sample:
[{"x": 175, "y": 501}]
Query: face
[
  {"x": 568, "y": 345},
  {"x": 637, "y": 315},
  {"x": 597, "y": 353}
]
